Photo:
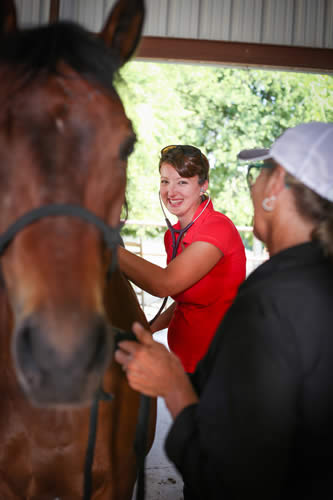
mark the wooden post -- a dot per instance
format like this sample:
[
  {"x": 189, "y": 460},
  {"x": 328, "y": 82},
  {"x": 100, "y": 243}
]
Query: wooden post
[{"x": 54, "y": 11}]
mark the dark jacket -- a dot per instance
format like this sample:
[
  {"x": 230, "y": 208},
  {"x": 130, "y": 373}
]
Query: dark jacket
[{"x": 264, "y": 423}]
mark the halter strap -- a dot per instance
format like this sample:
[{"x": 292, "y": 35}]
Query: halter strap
[
  {"x": 111, "y": 235},
  {"x": 141, "y": 433}
]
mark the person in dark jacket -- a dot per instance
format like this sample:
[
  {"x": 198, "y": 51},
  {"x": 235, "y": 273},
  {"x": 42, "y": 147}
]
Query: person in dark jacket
[{"x": 256, "y": 418}]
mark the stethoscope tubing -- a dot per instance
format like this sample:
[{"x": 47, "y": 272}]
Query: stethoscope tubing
[
  {"x": 175, "y": 243},
  {"x": 180, "y": 232}
]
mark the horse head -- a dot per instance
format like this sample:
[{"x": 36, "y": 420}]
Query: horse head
[{"x": 64, "y": 139}]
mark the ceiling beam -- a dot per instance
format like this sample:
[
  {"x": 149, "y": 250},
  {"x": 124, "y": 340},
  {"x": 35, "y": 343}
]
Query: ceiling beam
[
  {"x": 280, "y": 57},
  {"x": 54, "y": 11}
]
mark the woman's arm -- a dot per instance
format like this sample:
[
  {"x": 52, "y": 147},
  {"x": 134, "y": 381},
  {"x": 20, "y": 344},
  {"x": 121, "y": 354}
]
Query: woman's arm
[
  {"x": 181, "y": 273},
  {"x": 163, "y": 320}
]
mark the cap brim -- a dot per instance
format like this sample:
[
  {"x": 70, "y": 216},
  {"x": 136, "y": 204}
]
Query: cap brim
[{"x": 254, "y": 154}]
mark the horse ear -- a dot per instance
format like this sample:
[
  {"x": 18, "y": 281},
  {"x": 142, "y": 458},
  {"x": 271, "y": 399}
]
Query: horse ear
[
  {"x": 8, "y": 22},
  {"x": 122, "y": 31}
]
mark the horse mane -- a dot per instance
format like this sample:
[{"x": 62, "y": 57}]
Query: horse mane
[{"x": 37, "y": 51}]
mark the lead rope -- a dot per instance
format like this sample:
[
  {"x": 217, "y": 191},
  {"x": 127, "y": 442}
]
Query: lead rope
[
  {"x": 87, "y": 478},
  {"x": 141, "y": 433}
]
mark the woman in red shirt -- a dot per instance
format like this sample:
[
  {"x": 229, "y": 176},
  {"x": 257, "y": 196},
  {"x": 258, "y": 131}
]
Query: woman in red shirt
[{"x": 205, "y": 257}]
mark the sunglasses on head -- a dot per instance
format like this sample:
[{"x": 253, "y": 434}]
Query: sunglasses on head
[
  {"x": 254, "y": 170},
  {"x": 186, "y": 150}
]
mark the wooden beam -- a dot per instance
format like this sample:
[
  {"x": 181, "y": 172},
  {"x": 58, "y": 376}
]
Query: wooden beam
[
  {"x": 235, "y": 53},
  {"x": 54, "y": 11}
]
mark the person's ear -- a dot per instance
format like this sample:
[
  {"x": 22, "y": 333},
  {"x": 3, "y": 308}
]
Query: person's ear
[
  {"x": 204, "y": 187},
  {"x": 276, "y": 182}
]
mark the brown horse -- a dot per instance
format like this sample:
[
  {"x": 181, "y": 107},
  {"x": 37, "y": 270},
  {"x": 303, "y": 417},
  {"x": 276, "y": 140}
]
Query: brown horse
[{"x": 64, "y": 141}]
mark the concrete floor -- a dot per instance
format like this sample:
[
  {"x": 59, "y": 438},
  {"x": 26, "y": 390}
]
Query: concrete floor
[{"x": 163, "y": 482}]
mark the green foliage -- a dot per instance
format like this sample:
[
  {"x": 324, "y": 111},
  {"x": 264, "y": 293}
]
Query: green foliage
[{"x": 220, "y": 110}]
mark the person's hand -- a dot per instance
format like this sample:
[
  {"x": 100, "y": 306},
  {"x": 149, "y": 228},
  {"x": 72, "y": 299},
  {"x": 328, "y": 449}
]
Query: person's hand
[
  {"x": 148, "y": 364},
  {"x": 152, "y": 370}
]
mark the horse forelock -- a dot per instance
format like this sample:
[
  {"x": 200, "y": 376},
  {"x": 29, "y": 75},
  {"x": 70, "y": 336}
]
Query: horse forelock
[
  {"x": 63, "y": 52},
  {"x": 37, "y": 51}
]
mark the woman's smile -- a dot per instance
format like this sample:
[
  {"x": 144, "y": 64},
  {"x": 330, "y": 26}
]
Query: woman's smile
[
  {"x": 181, "y": 195},
  {"x": 175, "y": 202}
]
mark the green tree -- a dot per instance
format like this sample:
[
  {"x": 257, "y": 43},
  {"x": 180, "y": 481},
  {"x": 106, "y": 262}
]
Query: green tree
[{"x": 220, "y": 110}]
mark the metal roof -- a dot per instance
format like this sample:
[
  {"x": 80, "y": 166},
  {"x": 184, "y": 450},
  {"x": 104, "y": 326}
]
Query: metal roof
[{"x": 304, "y": 23}]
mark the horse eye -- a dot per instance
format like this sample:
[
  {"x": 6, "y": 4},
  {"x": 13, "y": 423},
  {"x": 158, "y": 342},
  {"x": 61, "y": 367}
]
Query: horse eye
[{"x": 127, "y": 148}]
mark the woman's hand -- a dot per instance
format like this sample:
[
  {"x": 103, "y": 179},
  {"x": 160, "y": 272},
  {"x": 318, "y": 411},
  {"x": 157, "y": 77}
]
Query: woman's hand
[{"x": 152, "y": 370}]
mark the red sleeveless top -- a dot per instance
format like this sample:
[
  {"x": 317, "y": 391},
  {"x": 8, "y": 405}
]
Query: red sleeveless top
[{"x": 200, "y": 308}]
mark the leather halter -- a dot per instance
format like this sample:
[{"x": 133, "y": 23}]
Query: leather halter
[
  {"x": 111, "y": 235},
  {"x": 112, "y": 239}
]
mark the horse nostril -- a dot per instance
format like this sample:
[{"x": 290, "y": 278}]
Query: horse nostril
[
  {"x": 24, "y": 354},
  {"x": 24, "y": 343}
]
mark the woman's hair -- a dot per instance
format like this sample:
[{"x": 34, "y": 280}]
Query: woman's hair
[
  {"x": 316, "y": 208},
  {"x": 187, "y": 160}
]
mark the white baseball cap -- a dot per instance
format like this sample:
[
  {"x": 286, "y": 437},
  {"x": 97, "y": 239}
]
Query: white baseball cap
[{"x": 306, "y": 152}]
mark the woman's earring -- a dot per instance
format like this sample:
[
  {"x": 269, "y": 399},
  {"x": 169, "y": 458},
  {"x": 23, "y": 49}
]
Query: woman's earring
[{"x": 268, "y": 203}]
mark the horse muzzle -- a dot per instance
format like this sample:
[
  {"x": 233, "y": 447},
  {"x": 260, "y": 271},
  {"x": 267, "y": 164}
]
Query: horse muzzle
[{"x": 52, "y": 375}]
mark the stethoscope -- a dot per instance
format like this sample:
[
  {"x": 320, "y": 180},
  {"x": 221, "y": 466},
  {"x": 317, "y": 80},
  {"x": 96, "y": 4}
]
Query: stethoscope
[
  {"x": 180, "y": 232},
  {"x": 176, "y": 242}
]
